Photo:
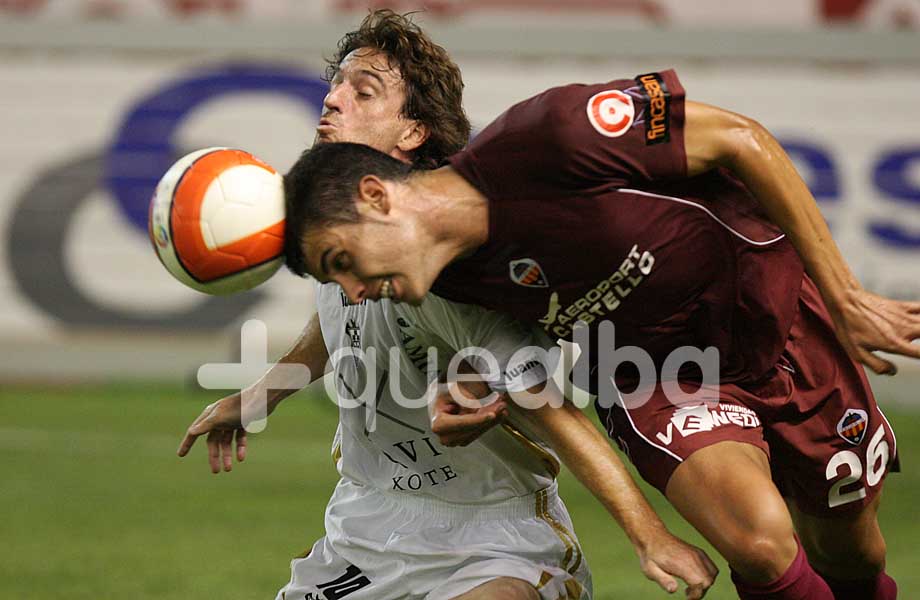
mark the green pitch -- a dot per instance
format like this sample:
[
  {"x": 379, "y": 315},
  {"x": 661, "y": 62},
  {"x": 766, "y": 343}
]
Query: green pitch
[{"x": 96, "y": 505}]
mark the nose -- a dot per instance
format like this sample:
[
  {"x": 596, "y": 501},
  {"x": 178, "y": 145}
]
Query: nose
[
  {"x": 354, "y": 288},
  {"x": 333, "y": 100}
]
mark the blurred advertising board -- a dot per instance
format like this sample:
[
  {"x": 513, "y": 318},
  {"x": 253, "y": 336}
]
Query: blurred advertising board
[{"x": 85, "y": 141}]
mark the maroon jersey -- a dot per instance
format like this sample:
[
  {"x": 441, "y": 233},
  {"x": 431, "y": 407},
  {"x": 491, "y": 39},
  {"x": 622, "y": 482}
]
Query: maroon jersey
[{"x": 592, "y": 217}]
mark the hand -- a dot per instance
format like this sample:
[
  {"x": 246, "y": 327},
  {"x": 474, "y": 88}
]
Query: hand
[
  {"x": 457, "y": 425},
  {"x": 222, "y": 422},
  {"x": 667, "y": 557},
  {"x": 867, "y": 322}
]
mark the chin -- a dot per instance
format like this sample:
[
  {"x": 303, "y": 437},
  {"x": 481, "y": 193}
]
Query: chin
[{"x": 410, "y": 297}]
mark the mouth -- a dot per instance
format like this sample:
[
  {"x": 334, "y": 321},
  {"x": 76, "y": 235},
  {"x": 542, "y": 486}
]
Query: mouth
[
  {"x": 387, "y": 289},
  {"x": 324, "y": 127}
]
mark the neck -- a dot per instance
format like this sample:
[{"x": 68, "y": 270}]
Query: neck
[{"x": 455, "y": 214}]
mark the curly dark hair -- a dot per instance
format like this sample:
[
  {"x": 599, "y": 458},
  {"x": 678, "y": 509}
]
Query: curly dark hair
[{"x": 434, "y": 85}]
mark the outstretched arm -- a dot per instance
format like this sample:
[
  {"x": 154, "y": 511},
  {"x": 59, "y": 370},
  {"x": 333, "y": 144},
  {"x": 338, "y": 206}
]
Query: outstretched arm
[
  {"x": 864, "y": 322},
  {"x": 222, "y": 420}
]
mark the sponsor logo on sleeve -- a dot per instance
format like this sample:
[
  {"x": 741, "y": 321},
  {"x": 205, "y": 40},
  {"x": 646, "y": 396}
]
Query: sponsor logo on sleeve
[
  {"x": 852, "y": 427},
  {"x": 611, "y": 112},
  {"x": 527, "y": 272},
  {"x": 521, "y": 368},
  {"x": 658, "y": 108}
]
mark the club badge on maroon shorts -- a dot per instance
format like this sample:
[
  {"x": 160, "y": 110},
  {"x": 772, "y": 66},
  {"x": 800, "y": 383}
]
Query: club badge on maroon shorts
[
  {"x": 527, "y": 272},
  {"x": 852, "y": 427}
]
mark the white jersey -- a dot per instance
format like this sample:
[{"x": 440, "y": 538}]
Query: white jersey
[{"x": 384, "y": 439}]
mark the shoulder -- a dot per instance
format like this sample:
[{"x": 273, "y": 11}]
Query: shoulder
[
  {"x": 436, "y": 312},
  {"x": 326, "y": 295}
]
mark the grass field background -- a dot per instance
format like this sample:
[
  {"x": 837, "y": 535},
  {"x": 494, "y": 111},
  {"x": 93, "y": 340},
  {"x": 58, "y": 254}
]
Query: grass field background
[{"x": 96, "y": 505}]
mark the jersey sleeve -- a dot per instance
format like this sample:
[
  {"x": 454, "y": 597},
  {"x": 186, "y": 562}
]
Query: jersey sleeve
[
  {"x": 618, "y": 133},
  {"x": 525, "y": 356},
  {"x": 325, "y": 296}
]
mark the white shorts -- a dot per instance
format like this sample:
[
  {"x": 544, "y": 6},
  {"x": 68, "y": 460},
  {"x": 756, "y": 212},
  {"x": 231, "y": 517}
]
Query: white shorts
[{"x": 382, "y": 545}]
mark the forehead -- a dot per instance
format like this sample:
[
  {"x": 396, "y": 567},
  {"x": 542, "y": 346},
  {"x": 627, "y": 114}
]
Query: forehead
[{"x": 372, "y": 61}]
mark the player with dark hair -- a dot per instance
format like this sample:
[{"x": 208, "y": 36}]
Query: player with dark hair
[
  {"x": 411, "y": 518},
  {"x": 686, "y": 226}
]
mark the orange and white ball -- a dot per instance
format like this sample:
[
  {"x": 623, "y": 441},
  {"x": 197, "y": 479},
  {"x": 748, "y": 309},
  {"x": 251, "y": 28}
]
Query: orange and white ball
[{"x": 217, "y": 220}]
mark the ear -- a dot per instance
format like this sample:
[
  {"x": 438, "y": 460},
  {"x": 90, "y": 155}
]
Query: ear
[
  {"x": 373, "y": 196},
  {"x": 413, "y": 137}
]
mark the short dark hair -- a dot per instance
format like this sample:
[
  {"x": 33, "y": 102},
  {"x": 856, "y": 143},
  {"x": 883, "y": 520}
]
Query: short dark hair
[
  {"x": 320, "y": 191},
  {"x": 434, "y": 85}
]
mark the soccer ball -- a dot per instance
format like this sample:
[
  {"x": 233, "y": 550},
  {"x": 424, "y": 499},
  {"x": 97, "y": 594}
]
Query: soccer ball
[{"x": 217, "y": 220}]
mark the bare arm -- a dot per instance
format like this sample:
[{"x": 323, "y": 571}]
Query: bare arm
[
  {"x": 588, "y": 455},
  {"x": 585, "y": 451},
  {"x": 865, "y": 322},
  {"x": 222, "y": 420},
  {"x": 309, "y": 350}
]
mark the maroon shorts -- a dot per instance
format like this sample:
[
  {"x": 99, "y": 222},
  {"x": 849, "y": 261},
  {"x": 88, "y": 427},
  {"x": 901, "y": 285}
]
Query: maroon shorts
[{"x": 814, "y": 416}]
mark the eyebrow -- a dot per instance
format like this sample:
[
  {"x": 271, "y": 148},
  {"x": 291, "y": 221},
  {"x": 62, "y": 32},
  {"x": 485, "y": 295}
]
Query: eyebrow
[{"x": 372, "y": 74}]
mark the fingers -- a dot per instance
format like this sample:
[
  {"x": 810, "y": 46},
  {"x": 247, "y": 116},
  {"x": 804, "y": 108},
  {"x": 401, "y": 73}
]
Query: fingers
[
  {"x": 449, "y": 422},
  {"x": 461, "y": 429},
  {"x": 199, "y": 426},
  {"x": 695, "y": 592},
  {"x": 878, "y": 365},
  {"x": 221, "y": 426},
  {"x": 912, "y": 307},
  {"x": 226, "y": 450},
  {"x": 711, "y": 569},
  {"x": 214, "y": 451},
  {"x": 220, "y": 449},
  {"x": 905, "y": 348},
  {"x": 187, "y": 442},
  {"x": 874, "y": 323},
  {"x": 699, "y": 586},
  {"x": 469, "y": 395},
  {"x": 240, "y": 445},
  {"x": 656, "y": 574},
  {"x": 698, "y": 573},
  {"x": 710, "y": 572},
  {"x": 684, "y": 562}
]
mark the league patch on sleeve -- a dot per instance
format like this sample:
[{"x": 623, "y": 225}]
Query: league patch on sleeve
[
  {"x": 657, "y": 112},
  {"x": 611, "y": 112}
]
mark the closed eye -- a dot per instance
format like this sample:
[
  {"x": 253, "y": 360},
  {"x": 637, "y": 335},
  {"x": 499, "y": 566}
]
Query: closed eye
[{"x": 341, "y": 262}]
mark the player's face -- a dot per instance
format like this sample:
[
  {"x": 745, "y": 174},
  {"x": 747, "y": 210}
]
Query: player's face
[
  {"x": 364, "y": 105},
  {"x": 374, "y": 259},
  {"x": 386, "y": 254}
]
